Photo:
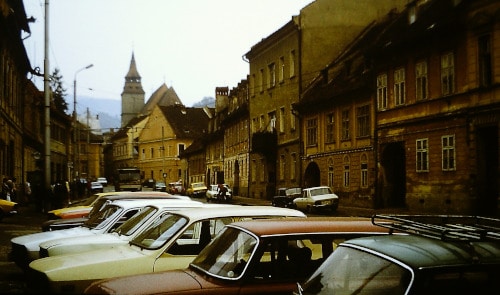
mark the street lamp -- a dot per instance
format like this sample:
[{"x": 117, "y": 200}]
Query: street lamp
[{"x": 75, "y": 126}]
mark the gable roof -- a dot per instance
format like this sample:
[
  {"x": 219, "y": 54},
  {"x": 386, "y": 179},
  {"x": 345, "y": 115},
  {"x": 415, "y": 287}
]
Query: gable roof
[
  {"x": 186, "y": 122},
  {"x": 163, "y": 96}
]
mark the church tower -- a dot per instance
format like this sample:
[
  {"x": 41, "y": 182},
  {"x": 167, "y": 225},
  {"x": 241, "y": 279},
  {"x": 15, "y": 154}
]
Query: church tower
[{"x": 132, "y": 95}]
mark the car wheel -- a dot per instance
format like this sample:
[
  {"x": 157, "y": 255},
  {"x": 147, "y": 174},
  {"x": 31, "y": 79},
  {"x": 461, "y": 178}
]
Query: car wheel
[{"x": 309, "y": 209}]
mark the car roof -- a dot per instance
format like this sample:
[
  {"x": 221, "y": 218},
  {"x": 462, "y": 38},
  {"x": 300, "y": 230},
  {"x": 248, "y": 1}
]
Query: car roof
[
  {"x": 421, "y": 252},
  {"x": 142, "y": 194},
  {"x": 229, "y": 210},
  {"x": 133, "y": 203},
  {"x": 269, "y": 227}
]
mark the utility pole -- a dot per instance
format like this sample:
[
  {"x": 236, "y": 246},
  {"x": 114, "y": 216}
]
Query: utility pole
[{"x": 46, "y": 89}]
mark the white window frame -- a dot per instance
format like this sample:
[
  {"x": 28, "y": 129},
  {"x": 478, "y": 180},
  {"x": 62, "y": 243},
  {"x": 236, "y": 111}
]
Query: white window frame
[
  {"x": 422, "y": 155},
  {"x": 448, "y": 162}
]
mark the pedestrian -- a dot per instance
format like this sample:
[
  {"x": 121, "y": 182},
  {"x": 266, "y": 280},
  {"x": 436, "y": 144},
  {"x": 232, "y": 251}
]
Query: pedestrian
[{"x": 5, "y": 189}]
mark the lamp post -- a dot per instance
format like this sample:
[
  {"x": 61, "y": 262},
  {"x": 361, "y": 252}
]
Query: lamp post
[{"x": 76, "y": 151}]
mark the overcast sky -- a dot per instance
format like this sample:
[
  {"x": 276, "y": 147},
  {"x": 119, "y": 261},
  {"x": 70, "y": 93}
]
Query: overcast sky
[{"x": 191, "y": 45}]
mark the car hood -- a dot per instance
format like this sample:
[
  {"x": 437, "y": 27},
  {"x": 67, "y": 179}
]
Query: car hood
[
  {"x": 154, "y": 283},
  {"x": 69, "y": 209},
  {"x": 79, "y": 243},
  {"x": 32, "y": 241},
  {"x": 98, "y": 264}
]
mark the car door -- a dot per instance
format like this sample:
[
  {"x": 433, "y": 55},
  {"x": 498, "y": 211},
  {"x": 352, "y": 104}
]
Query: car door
[{"x": 179, "y": 253}]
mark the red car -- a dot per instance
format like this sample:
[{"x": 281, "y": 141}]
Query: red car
[{"x": 250, "y": 257}]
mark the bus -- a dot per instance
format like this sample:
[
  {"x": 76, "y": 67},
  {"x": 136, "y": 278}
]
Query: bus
[{"x": 128, "y": 179}]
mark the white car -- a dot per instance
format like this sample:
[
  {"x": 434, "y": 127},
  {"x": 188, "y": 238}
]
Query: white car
[
  {"x": 96, "y": 187},
  {"x": 317, "y": 198},
  {"x": 102, "y": 180},
  {"x": 213, "y": 190},
  {"x": 120, "y": 235},
  {"x": 26, "y": 248},
  {"x": 171, "y": 242}
]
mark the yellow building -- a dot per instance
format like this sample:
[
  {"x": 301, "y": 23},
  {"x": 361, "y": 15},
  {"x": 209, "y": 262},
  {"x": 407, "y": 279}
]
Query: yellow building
[{"x": 166, "y": 134}]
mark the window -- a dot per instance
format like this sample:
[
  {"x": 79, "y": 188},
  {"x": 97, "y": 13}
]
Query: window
[
  {"x": 272, "y": 121},
  {"x": 262, "y": 122},
  {"x": 272, "y": 75},
  {"x": 330, "y": 128},
  {"x": 347, "y": 172},
  {"x": 448, "y": 146},
  {"x": 311, "y": 132},
  {"x": 293, "y": 166},
  {"x": 382, "y": 91},
  {"x": 292, "y": 63},
  {"x": 292, "y": 120},
  {"x": 252, "y": 85},
  {"x": 282, "y": 167},
  {"x": 282, "y": 70},
  {"x": 330, "y": 172},
  {"x": 363, "y": 121},
  {"x": 282, "y": 120},
  {"x": 422, "y": 155},
  {"x": 447, "y": 74},
  {"x": 181, "y": 147},
  {"x": 345, "y": 125},
  {"x": 364, "y": 171},
  {"x": 261, "y": 80},
  {"x": 484, "y": 56},
  {"x": 399, "y": 86},
  {"x": 421, "y": 80}
]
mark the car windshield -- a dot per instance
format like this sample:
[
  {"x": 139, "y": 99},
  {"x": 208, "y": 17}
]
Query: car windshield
[
  {"x": 227, "y": 255},
  {"x": 136, "y": 221},
  {"x": 321, "y": 191},
  {"x": 197, "y": 185},
  {"x": 350, "y": 271},
  {"x": 103, "y": 216},
  {"x": 160, "y": 231}
]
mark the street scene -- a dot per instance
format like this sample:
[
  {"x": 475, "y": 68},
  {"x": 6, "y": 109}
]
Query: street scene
[{"x": 284, "y": 147}]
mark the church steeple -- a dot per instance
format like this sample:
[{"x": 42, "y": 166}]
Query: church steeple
[
  {"x": 133, "y": 74},
  {"x": 132, "y": 95}
]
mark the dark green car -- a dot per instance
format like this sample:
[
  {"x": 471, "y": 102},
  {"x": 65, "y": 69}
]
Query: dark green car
[{"x": 441, "y": 255}]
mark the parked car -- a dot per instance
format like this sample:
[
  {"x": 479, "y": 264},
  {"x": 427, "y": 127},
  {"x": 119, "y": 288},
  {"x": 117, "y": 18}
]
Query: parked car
[
  {"x": 66, "y": 221},
  {"x": 251, "y": 257},
  {"x": 213, "y": 191},
  {"x": 176, "y": 188},
  {"x": 77, "y": 209},
  {"x": 442, "y": 255},
  {"x": 118, "y": 236},
  {"x": 149, "y": 183},
  {"x": 160, "y": 186},
  {"x": 103, "y": 181},
  {"x": 169, "y": 243},
  {"x": 317, "y": 198},
  {"x": 25, "y": 248},
  {"x": 96, "y": 187},
  {"x": 197, "y": 190},
  {"x": 285, "y": 196},
  {"x": 8, "y": 208}
]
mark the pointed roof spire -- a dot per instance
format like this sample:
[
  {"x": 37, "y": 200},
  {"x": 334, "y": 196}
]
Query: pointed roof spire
[{"x": 133, "y": 74}]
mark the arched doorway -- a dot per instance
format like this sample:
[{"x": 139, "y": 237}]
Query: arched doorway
[
  {"x": 312, "y": 175},
  {"x": 393, "y": 175}
]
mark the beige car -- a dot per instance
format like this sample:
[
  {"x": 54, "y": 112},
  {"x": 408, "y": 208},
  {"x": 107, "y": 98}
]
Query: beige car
[
  {"x": 171, "y": 242},
  {"x": 197, "y": 190}
]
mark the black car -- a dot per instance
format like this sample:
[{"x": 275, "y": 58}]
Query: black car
[
  {"x": 285, "y": 197},
  {"x": 149, "y": 183}
]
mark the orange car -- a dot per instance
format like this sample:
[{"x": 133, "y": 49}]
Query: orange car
[{"x": 266, "y": 256}]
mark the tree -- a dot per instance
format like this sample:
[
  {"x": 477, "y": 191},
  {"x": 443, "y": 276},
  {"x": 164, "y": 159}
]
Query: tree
[{"x": 58, "y": 91}]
